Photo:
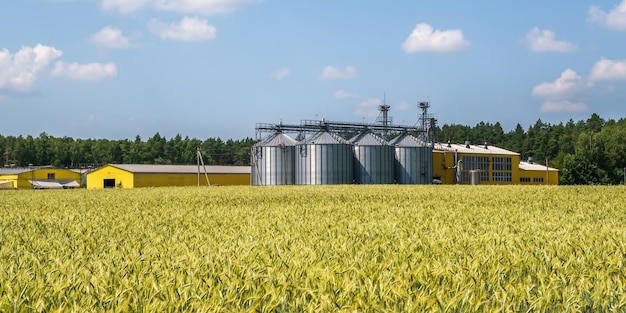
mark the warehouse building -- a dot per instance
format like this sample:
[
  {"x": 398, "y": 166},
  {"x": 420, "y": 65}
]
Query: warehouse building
[
  {"x": 39, "y": 177},
  {"x": 536, "y": 174},
  {"x": 148, "y": 175},
  {"x": 484, "y": 164}
]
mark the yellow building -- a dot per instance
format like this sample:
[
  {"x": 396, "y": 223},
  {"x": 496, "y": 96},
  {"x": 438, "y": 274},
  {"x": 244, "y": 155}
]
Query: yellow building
[
  {"x": 531, "y": 173},
  {"x": 484, "y": 164},
  {"x": 147, "y": 175},
  {"x": 41, "y": 177}
]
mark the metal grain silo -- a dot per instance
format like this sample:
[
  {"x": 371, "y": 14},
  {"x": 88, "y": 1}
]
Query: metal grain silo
[
  {"x": 273, "y": 161},
  {"x": 324, "y": 158},
  {"x": 414, "y": 160},
  {"x": 373, "y": 159}
]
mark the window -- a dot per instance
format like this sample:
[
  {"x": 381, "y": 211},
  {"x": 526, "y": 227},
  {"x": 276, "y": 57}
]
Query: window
[
  {"x": 50, "y": 175},
  {"x": 501, "y": 176},
  {"x": 501, "y": 169},
  {"x": 476, "y": 163},
  {"x": 480, "y": 163},
  {"x": 538, "y": 180},
  {"x": 501, "y": 164},
  {"x": 524, "y": 179}
]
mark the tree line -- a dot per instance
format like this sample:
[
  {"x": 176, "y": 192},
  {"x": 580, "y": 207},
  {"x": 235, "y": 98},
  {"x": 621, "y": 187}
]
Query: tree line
[
  {"x": 591, "y": 151},
  {"x": 76, "y": 153}
]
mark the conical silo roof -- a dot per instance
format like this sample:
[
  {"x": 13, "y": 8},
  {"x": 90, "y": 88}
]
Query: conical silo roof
[
  {"x": 367, "y": 139},
  {"x": 324, "y": 138},
  {"x": 407, "y": 140},
  {"x": 278, "y": 139}
]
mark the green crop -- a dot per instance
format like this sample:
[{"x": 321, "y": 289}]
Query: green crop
[{"x": 347, "y": 248}]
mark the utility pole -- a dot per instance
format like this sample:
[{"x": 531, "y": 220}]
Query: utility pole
[{"x": 199, "y": 161}]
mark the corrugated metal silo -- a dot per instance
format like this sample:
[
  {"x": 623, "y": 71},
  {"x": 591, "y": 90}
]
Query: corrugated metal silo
[
  {"x": 373, "y": 159},
  {"x": 324, "y": 158},
  {"x": 414, "y": 160},
  {"x": 273, "y": 161}
]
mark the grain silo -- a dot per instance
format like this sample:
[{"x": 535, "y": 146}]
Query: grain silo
[
  {"x": 414, "y": 160},
  {"x": 273, "y": 160},
  {"x": 324, "y": 158},
  {"x": 373, "y": 159}
]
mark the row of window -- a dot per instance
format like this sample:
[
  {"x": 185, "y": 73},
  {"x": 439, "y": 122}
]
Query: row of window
[
  {"x": 501, "y": 164},
  {"x": 482, "y": 163},
  {"x": 501, "y": 176},
  {"x": 483, "y": 176},
  {"x": 501, "y": 168},
  {"x": 536, "y": 180},
  {"x": 476, "y": 163}
]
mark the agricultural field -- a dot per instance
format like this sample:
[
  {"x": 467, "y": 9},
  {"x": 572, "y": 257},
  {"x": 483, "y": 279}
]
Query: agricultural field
[{"x": 393, "y": 248}]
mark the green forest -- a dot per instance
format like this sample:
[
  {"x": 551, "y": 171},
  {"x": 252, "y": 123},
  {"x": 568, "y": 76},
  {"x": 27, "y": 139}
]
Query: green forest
[
  {"x": 76, "y": 153},
  {"x": 591, "y": 151}
]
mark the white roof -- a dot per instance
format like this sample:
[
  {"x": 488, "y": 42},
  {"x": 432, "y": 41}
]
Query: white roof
[
  {"x": 69, "y": 183},
  {"x": 20, "y": 170},
  {"x": 182, "y": 169},
  {"x": 53, "y": 183},
  {"x": 6, "y": 184},
  {"x": 525, "y": 166},
  {"x": 468, "y": 149}
]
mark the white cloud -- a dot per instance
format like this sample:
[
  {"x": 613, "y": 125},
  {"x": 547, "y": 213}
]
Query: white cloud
[
  {"x": 368, "y": 108},
  {"x": 90, "y": 71},
  {"x": 207, "y": 7},
  {"x": 614, "y": 19},
  {"x": 425, "y": 39},
  {"x": 567, "y": 84},
  {"x": 608, "y": 70},
  {"x": 204, "y": 7},
  {"x": 342, "y": 94},
  {"x": 281, "y": 73},
  {"x": 110, "y": 37},
  {"x": 563, "y": 106},
  {"x": 189, "y": 29},
  {"x": 544, "y": 41},
  {"x": 331, "y": 72},
  {"x": 561, "y": 95},
  {"x": 19, "y": 71},
  {"x": 124, "y": 6}
]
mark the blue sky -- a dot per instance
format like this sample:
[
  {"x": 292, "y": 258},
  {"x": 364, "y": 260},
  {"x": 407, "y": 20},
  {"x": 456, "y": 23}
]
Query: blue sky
[{"x": 214, "y": 68}]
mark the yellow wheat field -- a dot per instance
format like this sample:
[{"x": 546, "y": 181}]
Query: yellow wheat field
[{"x": 314, "y": 249}]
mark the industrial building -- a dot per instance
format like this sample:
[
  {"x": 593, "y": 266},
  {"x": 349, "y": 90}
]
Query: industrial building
[
  {"x": 321, "y": 154},
  {"x": 531, "y": 173},
  {"x": 326, "y": 152},
  {"x": 148, "y": 175},
  {"x": 40, "y": 177},
  {"x": 485, "y": 164}
]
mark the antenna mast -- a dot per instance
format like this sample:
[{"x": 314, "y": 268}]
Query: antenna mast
[
  {"x": 427, "y": 123},
  {"x": 383, "y": 118}
]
